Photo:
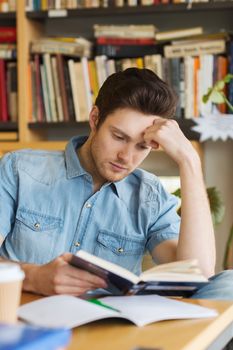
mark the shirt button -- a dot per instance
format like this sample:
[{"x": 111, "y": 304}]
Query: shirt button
[
  {"x": 88, "y": 205},
  {"x": 77, "y": 244},
  {"x": 37, "y": 225},
  {"x": 120, "y": 250}
]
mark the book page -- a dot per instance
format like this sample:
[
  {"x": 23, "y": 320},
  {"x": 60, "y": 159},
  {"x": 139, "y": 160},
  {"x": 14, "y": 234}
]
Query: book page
[
  {"x": 62, "y": 311},
  {"x": 145, "y": 309},
  {"x": 69, "y": 312}
]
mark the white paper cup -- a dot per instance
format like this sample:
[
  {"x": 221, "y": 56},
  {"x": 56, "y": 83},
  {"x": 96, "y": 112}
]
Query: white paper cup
[{"x": 11, "y": 278}]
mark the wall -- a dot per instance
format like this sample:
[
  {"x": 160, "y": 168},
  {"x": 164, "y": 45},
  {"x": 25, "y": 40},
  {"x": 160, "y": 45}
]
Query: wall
[{"x": 218, "y": 171}]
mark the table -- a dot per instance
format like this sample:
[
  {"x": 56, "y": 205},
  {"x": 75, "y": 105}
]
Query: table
[{"x": 211, "y": 334}]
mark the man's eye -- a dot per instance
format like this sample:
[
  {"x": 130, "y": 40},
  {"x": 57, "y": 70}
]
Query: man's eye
[
  {"x": 118, "y": 137},
  {"x": 143, "y": 147}
]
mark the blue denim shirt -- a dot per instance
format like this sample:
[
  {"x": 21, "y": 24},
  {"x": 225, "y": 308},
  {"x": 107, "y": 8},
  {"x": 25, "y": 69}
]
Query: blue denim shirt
[{"x": 47, "y": 207}]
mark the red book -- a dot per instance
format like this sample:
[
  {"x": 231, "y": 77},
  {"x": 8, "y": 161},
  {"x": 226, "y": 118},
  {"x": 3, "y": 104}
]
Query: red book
[
  {"x": 3, "y": 93},
  {"x": 7, "y": 34},
  {"x": 39, "y": 98},
  {"x": 121, "y": 41},
  {"x": 62, "y": 85}
]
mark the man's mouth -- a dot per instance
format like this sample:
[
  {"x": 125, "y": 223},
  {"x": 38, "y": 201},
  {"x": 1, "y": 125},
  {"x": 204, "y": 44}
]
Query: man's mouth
[{"x": 117, "y": 166}]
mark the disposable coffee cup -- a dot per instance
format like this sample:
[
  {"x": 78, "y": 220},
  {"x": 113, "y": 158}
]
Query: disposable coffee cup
[{"x": 11, "y": 278}]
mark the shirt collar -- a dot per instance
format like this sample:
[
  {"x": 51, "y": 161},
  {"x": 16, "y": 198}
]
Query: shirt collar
[{"x": 73, "y": 166}]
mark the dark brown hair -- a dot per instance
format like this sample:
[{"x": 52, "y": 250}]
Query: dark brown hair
[{"x": 138, "y": 89}]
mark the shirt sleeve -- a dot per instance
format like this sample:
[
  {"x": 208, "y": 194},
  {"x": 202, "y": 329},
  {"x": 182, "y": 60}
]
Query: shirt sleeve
[
  {"x": 165, "y": 222},
  {"x": 8, "y": 194}
]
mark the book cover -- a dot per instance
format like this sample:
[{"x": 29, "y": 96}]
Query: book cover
[
  {"x": 129, "y": 51},
  {"x": 178, "y": 33},
  {"x": 7, "y": 34},
  {"x": 62, "y": 86},
  {"x": 181, "y": 278},
  {"x": 200, "y": 48},
  {"x": 3, "y": 93},
  {"x": 25, "y": 337}
]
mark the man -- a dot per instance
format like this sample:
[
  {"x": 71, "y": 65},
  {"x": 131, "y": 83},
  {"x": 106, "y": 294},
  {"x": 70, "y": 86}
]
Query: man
[{"x": 93, "y": 197}]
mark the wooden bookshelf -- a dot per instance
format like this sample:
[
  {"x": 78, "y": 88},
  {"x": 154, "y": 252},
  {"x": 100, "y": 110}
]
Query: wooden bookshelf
[
  {"x": 32, "y": 25},
  {"x": 132, "y": 10}
]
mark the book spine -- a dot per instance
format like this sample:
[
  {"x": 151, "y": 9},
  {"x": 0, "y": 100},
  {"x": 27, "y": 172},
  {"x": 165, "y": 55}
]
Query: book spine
[
  {"x": 3, "y": 94},
  {"x": 74, "y": 89},
  {"x": 201, "y": 48},
  {"x": 61, "y": 79}
]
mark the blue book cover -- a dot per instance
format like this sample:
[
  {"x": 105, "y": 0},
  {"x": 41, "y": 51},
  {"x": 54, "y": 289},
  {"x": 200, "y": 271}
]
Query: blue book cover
[{"x": 24, "y": 337}]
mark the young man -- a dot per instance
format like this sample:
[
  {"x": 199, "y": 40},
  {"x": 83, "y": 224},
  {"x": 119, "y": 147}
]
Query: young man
[{"x": 93, "y": 197}]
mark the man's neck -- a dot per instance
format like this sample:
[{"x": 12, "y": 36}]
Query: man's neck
[{"x": 88, "y": 165}]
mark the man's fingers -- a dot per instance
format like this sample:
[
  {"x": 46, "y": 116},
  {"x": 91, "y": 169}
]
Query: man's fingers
[{"x": 77, "y": 274}]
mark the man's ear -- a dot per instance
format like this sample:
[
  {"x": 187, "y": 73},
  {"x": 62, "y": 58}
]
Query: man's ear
[{"x": 94, "y": 118}]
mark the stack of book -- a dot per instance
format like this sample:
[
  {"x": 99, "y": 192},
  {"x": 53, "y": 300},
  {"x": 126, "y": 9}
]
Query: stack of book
[
  {"x": 8, "y": 74},
  {"x": 120, "y": 41},
  {"x": 7, "y": 5}
]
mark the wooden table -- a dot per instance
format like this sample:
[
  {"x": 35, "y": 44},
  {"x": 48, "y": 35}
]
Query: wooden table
[{"x": 211, "y": 334}]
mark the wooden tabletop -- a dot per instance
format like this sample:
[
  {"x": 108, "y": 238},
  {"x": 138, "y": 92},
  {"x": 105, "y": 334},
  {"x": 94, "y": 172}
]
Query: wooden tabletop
[{"x": 118, "y": 334}]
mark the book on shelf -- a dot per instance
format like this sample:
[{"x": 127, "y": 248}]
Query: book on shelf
[
  {"x": 78, "y": 47},
  {"x": 7, "y": 34},
  {"x": 178, "y": 33},
  {"x": 222, "y": 35},
  {"x": 69, "y": 311},
  {"x": 130, "y": 31},
  {"x": 200, "y": 48},
  {"x": 102, "y": 40},
  {"x": 181, "y": 278},
  {"x": 129, "y": 51},
  {"x": 26, "y": 337},
  {"x": 4, "y": 117}
]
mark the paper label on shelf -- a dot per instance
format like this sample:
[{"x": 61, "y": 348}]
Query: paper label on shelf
[
  {"x": 57, "y": 13},
  {"x": 214, "y": 126}
]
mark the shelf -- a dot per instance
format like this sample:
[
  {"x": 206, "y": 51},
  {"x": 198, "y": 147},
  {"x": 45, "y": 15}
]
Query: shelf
[
  {"x": 8, "y": 126},
  {"x": 46, "y": 145},
  {"x": 8, "y": 136},
  {"x": 7, "y": 15},
  {"x": 56, "y": 125},
  {"x": 127, "y": 10},
  {"x": 185, "y": 125}
]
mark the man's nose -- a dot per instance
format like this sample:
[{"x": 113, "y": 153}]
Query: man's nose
[{"x": 125, "y": 154}]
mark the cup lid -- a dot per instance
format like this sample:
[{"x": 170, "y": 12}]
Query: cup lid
[{"x": 10, "y": 272}]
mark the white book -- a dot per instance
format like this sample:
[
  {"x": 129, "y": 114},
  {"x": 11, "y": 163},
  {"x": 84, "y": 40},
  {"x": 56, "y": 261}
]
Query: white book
[
  {"x": 69, "y": 311},
  {"x": 74, "y": 89},
  {"x": 154, "y": 63},
  {"x": 51, "y": 94},
  {"x": 57, "y": 89},
  {"x": 101, "y": 68},
  {"x": 81, "y": 88},
  {"x": 45, "y": 94},
  {"x": 84, "y": 62},
  {"x": 189, "y": 87}
]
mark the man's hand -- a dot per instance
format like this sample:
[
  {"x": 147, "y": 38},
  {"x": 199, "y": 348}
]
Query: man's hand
[
  {"x": 167, "y": 134},
  {"x": 59, "y": 277}
]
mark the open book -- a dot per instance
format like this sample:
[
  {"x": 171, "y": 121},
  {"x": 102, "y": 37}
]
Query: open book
[
  {"x": 181, "y": 278},
  {"x": 69, "y": 312}
]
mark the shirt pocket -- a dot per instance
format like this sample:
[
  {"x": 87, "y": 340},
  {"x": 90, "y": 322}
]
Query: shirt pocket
[
  {"x": 126, "y": 251},
  {"x": 34, "y": 236}
]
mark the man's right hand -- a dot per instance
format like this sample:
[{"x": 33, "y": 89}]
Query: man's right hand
[{"x": 59, "y": 277}]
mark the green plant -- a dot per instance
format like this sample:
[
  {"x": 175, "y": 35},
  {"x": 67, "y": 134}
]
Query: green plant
[
  {"x": 217, "y": 207},
  {"x": 216, "y": 93}
]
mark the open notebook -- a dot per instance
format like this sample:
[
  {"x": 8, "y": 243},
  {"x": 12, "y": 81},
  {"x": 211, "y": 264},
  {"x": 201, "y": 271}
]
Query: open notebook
[{"x": 69, "y": 312}]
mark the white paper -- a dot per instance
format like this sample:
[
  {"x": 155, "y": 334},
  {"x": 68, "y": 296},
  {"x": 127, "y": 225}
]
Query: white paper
[
  {"x": 145, "y": 309},
  {"x": 69, "y": 312},
  {"x": 214, "y": 126}
]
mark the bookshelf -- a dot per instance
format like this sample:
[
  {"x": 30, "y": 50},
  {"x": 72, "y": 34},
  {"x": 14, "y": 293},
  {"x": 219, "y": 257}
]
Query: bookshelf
[{"x": 32, "y": 25}]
